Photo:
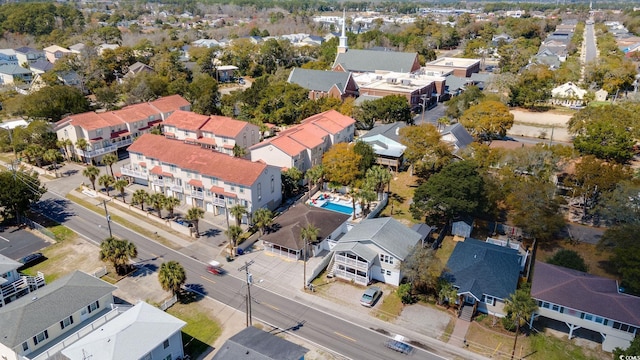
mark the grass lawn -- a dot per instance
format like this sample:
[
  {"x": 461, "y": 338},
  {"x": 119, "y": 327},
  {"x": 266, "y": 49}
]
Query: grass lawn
[
  {"x": 390, "y": 308},
  {"x": 402, "y": 188},
  {"x": 448, "y": 331},
  {"x": 597, "y": 260},
  {"x": 201, "y": 329},
  {"x": 446, "y": 248}
]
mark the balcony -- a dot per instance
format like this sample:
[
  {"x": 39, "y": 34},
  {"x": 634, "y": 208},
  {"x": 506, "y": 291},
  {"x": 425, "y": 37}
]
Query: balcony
[
  {"x": 107, "y": 149},
  {"x": 175, "y": 188},
  {"x": 21, "y": 287},
  {"x": 218, "y": 202},
  {"x": 360, "y": 265},
  {"x": 159, "y": 182},
  {"x": 197, "y": 194},
  {"x": 135, "y": 173}
]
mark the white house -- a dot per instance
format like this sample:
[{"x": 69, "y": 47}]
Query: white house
[
  {"x": 568, "y": 94},
  {"x": 374, "y": 249},
  {"x": 142, "y": 332},
  {"x": 13, "y": 285}
]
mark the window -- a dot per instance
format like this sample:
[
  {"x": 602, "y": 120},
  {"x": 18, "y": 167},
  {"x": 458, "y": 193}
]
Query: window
[
  {"x": 382, "y": 271},
  {"x": 168, "y": 357},
  {"x": 389, "y": 272},
  {"x": 93, "y": 307},
  {"x": 489, "y": 300},
  {"x": 273, "y": 184},
  {"x": 386, "y": 259},
  {"x": 40, "y": 337},
  {"x": 66, "y": 322},
  {"x": 259, "y": 191},
  {"x": 165, "y": 344},
  {"x": 241, "y": 189},
  {"x": 172, "y": 168},
  {"x": 25, "y": 346},
  {"x": 232, "y": 187}
]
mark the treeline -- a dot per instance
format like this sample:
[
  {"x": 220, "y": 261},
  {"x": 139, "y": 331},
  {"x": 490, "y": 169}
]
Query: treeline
[{"x": 39, "y": 18}]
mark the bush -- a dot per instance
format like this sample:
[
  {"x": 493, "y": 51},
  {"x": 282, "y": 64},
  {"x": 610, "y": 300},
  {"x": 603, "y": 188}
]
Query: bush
[
  {"x": 508, "y": 324},
  {"x": 569, "y": 259},
  {"x": 404, "y": 292}
]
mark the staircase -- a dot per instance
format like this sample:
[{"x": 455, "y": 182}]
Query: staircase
[
  {"x": 330, "y": 267},
  {"x": 466, "y": 313}
]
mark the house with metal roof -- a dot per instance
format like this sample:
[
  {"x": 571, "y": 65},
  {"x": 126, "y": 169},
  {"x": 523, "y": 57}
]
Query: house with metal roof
[
  {"x": 141, "y": 332},
  {"x": 385, "y": 141},
  {"x": 34, "y": 326},
  {"x": 373, "y": 249},
  {"x": 484, "y": 274},
  {"x": 320, "y": 83},
  {"x": 14, "y": 285},
  {"x": 254, "y": 344},
  {"x": 584, "y": 301}
]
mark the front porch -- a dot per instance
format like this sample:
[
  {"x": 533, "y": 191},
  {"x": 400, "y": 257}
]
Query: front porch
[{"x": 351, "y": 267}]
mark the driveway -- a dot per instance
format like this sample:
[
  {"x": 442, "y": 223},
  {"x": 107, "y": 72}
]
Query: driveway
[{"x": 16, "y": 243}]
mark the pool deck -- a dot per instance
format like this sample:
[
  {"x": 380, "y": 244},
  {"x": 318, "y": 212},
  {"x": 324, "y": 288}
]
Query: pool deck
[{"x": 320, "y": 198}]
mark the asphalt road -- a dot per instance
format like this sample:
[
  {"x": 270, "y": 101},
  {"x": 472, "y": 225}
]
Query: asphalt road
[
  {"x": 590, "y": 43},
  {"x": 430, "y": 116},
  {"x": 16, "y": 243},
  {"x": 320, "y": 327}
]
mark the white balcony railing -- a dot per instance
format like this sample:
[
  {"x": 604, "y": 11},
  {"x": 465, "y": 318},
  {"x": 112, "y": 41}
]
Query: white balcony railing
[
  {"x": 218, "y": 202},
  {"x": 361, "y": 265},
  {"x": 107, "y": 149},
  {"x": 176, "y": 188},
  {"x": 135, "y": 173},
  {"x": 158, "y": 182},
  {"x": 197, "y": 194},
  {"x": 21, "y": 287}
]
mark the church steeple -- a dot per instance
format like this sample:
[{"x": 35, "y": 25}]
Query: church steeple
[{"x": 342, "y": 46}]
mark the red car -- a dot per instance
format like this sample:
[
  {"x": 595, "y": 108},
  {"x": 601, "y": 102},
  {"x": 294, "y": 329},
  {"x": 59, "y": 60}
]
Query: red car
[{"x": 215, "y": 268}]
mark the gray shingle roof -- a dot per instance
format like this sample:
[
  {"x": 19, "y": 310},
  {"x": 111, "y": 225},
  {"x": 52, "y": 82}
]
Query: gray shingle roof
[
  {"x": 387, "y": 130},
  {"x": 26, "y": 317},
  {"x": 584, "y": 292},
  {"x": 319, "y": 80},
  {"x": 255, "y": 344},
  {"x": 13, "y": 69},
  {"x": 463, "y": 138},
  {"x": 7, "y": 264},
  {"x": 371, "y": 60},
  {"x": 42, "y": 65},
  {"x": 481, "y": 268},
  {"x": 387, "y": 233},
  {"x": 289, "y": 225},
  {"x": 357, "y": 248}
]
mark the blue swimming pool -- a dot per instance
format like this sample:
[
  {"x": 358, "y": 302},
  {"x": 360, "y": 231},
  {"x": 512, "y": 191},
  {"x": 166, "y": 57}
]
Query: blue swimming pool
[{"x": 338, "y": 207}]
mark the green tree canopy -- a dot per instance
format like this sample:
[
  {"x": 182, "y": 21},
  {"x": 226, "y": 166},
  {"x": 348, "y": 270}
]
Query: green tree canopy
[
  {"x": 118, "y": 252},
  {"x": 457, "y": 190},
  {"x": 52, "y": 102},
  {"x": 172, "y": 276},
  {"x": 534, "y": 207},
  {"x": 341, "y": 164},
  {"x": 19, "y": 191},
  {"x": 487, "y": 120},
  {"x": 623, "y": 240},
  {"x": 387, "y": 109}
]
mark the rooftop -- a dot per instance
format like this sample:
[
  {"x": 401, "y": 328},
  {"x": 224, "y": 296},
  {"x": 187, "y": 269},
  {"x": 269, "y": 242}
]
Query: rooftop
[{"x": 453, "y": 62}]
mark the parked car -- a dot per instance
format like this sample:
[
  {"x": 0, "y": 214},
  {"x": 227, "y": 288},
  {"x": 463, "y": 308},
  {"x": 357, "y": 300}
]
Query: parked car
[
  {"x": 241, "y": 81},
  {"x": 370, "y": 296},
  {"x": 31, "y": 260}
]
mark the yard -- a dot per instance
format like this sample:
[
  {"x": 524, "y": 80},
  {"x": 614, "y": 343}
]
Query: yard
[
  {"x": 597, "y": 260},
  {"x": 402, "y": 188},
  {"x": 201, "y": 330}
]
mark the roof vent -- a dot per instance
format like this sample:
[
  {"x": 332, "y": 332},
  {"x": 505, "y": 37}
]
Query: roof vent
[
  {"x": 406, "y": 82},
  {"x": 392, "y": 80}
]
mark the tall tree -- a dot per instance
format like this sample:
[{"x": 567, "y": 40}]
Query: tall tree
[
  {"x": 457, "y": 190},
  {"x": 378, "y": 177},
  {"x": 19, "y": 191},
  {"x": 110, "y": 159},
  {"x": 341, "y": 164},
  {"x": 290, "y": 180},
  {"x": 421, "y": 141},
  {"x": 422, "y": 269},
  {"x": 194, "y": 215},
  {"x": 91, "y": 172},
  {"x": 569, "y": 259},
  {"x": 170, "y": 204},
  {"x": 313, "y": 175},
  {"x": 52, "y": 156},
  {"x": 82, "y": 144},
  {"x": 520, "y": 307},
  {"x": 263, "y": 218},
  {"x": 172, "y": 276},
  {"x": 140, "y": 197},
  {"x": 487, "y": 120},
  {"x": 622, "y": 204},
  {"x": 623, "y": 240},
  {"x": 308, "y": 235},
  {"x": 367, "y": 155},
  {"x": 106, "y": 181},
  {"x": 157, "y": 201},
  {"x": 118, "y": 252},
  {"x": 53, "y": 102},
  {"x": 238, "y": 211},
  {"x": 233, "y": 233},
  {"x": 534, "y": 207},
  {"x": 120, "y": 185}
]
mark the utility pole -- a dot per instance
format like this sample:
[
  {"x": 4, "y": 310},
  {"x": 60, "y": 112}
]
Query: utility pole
[
  {"x": 106, "y": 214},
  {"x": 245, "y": 267}
]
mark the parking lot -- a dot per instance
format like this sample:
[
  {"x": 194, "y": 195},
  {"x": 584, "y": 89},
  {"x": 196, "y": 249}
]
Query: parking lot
[{"x": 16, "y": 243}]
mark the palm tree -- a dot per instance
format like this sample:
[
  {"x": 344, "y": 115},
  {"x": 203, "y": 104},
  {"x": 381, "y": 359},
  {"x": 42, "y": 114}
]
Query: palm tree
[
  {"x": 34, "y": 152},
  {"x": 233, "y": 233},
  {"x": 172, "y": 276},
  {"x": 239, "y": 151},
  {"x": 308, "y": 234},
  {"x": 110, "y": 159},
  {"x": 170, "y": 204},
  {"x": 51, "y": 156},
  {"x": 62, "y": 144},
  {"x": 139, "y": 198},
  {"x": 106, "y": 181},
  {"x": 194, "y": 215},
  {"x": 263, "y": 218},
  {"x": 83, "y": 145},
  {"x": 92, "y": 173},
  {"x": 443, "y": 122},
  {"x": 313, "y": 175},
  {"x": 118, "y": 252},
  {"x": 121, "y": 185},
  {"x": 379, "y": 177},
  {"x": 157, "y": 200},
  {"x": 519, "y": 307},
  {"x": 237, "y": 211}
]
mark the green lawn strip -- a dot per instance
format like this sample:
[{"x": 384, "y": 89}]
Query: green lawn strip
[
  {"x": 49, "y": 268},
  {"x": 62, "y": 233},
  {"x": 448, "y": 331},
  {"x": 552, "y": 348},
  {"x": 123, "y": 222},
  {"x": 402, "y": 188},
  {"x": 201, "y": 330},
  {"x": 446, "y": 248},
  {"x": 390, "y": 308}
]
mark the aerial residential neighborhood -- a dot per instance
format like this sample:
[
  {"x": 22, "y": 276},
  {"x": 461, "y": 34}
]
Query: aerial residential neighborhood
[{"x": 319, "y": 180}]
